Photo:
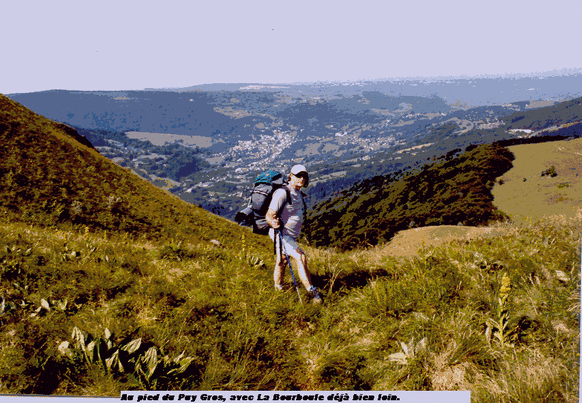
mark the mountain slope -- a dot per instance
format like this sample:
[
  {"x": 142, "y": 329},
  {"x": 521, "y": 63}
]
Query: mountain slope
[
  {"x": 89, "y": 314},
  {"x": 560, "y": 192},
  {"x": 566, "y": 112},
  {"x": 455, "y": 190},
  {"x": 51, "y": 176},
  {"x": 355, "y": 132}
]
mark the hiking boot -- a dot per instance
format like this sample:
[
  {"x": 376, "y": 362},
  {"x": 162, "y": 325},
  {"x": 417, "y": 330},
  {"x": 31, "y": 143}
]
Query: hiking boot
[
  {"x": 278, "y": 287},
  {"x": 316, "y": 297}
]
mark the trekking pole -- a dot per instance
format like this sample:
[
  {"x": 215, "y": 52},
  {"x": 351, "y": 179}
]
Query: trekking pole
[{"x": 282, "y": 250}]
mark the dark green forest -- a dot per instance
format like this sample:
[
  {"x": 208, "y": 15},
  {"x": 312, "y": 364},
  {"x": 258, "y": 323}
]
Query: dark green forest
[
  {"x": 174, "y": 161},
  {"x": 452, "y": 190}
]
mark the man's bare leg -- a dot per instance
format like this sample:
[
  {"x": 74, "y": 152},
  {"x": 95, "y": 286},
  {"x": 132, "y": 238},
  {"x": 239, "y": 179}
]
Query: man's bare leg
[
  {"x": 303, "y": 271},
  {"x": 279, "y": 271}
]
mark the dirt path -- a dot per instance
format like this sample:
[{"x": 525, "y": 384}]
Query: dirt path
[
  {"x": 407, "y": 243},
  {"x": 524, "y": 195}
]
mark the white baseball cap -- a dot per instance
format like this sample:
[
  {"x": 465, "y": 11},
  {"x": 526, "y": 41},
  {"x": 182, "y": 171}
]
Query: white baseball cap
[{"x": 297, "y": 169}]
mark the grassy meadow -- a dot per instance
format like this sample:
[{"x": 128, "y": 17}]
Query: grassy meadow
[
  {"x": 88, "y": 313},
  {"x": 524, "y": 193},
  {"x": 108, "y": 284}
]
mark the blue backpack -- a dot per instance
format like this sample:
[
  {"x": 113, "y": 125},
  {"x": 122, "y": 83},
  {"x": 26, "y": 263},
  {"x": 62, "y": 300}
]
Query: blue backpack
[{"x": 254, "y": 214}]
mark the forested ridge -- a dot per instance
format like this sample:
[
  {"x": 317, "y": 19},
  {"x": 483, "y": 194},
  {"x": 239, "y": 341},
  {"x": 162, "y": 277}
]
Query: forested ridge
[{"x": 452, "y": 190}]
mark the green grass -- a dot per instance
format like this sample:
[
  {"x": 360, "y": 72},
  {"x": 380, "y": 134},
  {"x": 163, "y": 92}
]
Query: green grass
[
  {"x": 439, "y": 321},
  {"x": 109, "y": 284},
  {"x": 53, "y": 281},
  {"x": 560, "y": 191}
]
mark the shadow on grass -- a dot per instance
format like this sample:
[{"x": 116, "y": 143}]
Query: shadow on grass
[{"x": 347, "y": 281}]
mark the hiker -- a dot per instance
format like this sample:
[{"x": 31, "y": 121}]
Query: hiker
[{"x": 289, "y": 223}]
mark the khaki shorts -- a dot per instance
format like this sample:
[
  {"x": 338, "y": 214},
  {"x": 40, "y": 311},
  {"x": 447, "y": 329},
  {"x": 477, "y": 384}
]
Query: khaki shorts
[{"x": 290, "y": 247}]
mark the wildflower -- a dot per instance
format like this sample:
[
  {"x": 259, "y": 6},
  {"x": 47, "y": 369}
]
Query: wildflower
[{"x": 505, "y": 287}]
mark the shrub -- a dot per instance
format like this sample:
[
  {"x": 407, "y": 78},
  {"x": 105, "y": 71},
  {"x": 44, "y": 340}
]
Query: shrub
[{"x": 551, "y": 172}]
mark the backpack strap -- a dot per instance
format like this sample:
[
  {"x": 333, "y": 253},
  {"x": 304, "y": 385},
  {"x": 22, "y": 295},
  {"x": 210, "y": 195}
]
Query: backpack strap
[
  {"x": 278, "y": 215},
  {"x": 287, "y": 200}
]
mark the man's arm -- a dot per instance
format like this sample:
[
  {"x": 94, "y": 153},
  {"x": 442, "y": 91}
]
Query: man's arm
[{"x": 272, "y": 219}]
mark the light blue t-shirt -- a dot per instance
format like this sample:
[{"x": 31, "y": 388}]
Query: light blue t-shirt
[{"x": 292, "y": 215}]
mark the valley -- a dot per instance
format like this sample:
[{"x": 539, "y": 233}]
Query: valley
[{"x": 206, "y": 144}]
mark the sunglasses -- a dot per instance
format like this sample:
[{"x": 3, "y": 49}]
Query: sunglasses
[{"x": 302, "y": 175}]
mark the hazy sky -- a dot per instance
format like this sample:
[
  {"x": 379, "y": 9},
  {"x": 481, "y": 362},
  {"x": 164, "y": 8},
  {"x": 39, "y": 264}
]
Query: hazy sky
[{"x": 123, "y": 45}]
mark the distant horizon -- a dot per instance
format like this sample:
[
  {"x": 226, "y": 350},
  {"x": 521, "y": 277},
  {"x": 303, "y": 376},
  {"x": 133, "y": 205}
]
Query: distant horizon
[{"x": 548, "y": 73}]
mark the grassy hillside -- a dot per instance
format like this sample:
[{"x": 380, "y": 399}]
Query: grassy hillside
[
  {"x": 450, "y": 191},
  {"x": 89, "y": 309},
  {"x": 51, "y": 178},
  {"x": 86, "y": 315},
  {"x": 407, "y": 243},
  {"x": 558, "y": 193}
]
